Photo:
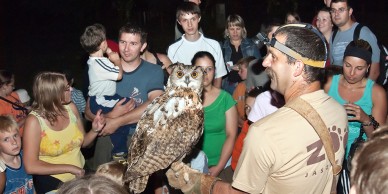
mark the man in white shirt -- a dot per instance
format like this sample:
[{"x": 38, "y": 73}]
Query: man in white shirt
[{"x": 188, "y": 16}]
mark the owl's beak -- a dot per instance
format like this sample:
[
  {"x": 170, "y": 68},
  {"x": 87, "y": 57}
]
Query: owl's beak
[{"x": 187, "y": 80}]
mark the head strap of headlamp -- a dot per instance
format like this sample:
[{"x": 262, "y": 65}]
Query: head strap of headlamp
[{"x": 286, "y": 50}]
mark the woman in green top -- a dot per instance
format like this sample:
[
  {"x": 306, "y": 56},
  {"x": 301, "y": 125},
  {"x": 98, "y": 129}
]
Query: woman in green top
[{"x": 220, "y": 125}]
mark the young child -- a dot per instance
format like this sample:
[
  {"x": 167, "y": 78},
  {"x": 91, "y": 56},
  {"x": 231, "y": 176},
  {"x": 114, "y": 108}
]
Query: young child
[
  {"x": 17, "y": 180},
  {"x": 103, "y": 74},
  {"x": 114, "y": 170},
  {"x": 241, "y": 90}
]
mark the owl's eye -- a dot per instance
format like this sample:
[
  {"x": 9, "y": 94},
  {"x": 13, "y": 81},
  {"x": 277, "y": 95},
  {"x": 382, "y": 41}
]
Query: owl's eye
[
  {"x": 194, "y": 74},
  {"x": 179, "y": 74}
]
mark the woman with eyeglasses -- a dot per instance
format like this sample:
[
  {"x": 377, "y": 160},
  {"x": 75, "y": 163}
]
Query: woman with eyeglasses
[
  {"x": 220, "y": 117},
  {"x": 364, "y": 101},
  {"x": 54, "y": 134},
  {"x": 10, "y": 103}
]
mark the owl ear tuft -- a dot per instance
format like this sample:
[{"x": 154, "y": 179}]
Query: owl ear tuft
[{"x": 174, "y": 65}]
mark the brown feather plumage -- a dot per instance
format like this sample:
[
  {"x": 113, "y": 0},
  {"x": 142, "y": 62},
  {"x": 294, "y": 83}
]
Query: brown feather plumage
[{"x": 169, "y": 128}]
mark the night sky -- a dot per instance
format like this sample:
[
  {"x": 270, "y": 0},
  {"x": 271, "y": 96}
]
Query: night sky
[{"x": 44, "y": 35}]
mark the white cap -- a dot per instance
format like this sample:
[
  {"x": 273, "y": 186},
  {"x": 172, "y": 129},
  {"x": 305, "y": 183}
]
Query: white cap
[{"x": 23, "y": 95}]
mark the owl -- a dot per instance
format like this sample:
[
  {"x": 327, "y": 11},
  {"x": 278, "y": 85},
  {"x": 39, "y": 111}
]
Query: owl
[{"x": 168, "y": 129}]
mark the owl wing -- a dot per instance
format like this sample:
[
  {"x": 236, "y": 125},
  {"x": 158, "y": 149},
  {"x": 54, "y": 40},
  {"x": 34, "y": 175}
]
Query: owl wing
[{"x": 167, "y": 131}]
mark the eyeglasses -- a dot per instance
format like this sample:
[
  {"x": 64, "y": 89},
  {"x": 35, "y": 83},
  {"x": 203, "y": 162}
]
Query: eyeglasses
[
  {"x": 340, "y": 10},
  {"x": 67, "y": 88}
]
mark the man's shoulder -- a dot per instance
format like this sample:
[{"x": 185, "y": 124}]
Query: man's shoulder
[
  {"x": 150, "y": 66},
  {"x": 211, "y": 41},
  {"x": 176, "y": 42}
]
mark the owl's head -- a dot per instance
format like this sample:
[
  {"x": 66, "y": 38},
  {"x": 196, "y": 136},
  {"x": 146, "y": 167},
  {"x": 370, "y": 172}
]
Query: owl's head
[{"x": 186, "y": 76}]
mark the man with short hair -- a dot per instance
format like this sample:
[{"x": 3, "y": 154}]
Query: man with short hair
[
  {"x": 142, "y": 82},
  {"x": 188, "y": 16},
  {"x": 178, "y": 29},
  {"x": 341, "y": 15},
  {"x": 287, "y": 156}
]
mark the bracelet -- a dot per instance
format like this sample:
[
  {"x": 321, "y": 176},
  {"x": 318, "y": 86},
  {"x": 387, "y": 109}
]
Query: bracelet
[{"x": 372, "y": 122}]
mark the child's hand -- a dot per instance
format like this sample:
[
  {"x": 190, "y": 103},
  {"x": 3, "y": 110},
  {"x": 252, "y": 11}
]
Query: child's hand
[
  {"x": 114, "y": 57},
  {"x": 108, "y": 51}
]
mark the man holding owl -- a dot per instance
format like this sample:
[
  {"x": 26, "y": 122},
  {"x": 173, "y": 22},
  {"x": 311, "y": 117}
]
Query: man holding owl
[{"x": 283, "y": 153}]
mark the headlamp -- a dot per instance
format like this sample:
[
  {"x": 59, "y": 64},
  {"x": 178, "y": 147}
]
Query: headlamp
[{"x": 286, "y": 50}]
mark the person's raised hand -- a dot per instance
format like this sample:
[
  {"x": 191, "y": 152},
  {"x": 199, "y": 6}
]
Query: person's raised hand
[
  {"x": 114, "y": 57},
  {"x": 98, "y": 122}
]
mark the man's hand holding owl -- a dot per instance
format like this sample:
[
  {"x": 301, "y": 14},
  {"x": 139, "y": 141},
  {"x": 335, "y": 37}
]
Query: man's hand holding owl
[{"x": 190, "y": 181}]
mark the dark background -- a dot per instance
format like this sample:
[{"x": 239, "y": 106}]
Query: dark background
[{"x": 43, "y": 35}]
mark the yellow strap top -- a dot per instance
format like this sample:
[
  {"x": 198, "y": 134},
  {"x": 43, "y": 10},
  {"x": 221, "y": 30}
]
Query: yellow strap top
[{"x": 61, "y": 147}]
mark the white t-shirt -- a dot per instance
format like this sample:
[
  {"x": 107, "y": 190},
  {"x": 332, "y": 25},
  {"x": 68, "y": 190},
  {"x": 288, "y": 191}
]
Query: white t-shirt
[
  {"x": 102, "y": 77},
  {"x": 183, "y": 51},
  {"x": 262, "y": 107}
]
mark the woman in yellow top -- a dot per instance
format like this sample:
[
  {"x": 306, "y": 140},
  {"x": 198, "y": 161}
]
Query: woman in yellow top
[{"x": 54, "y": 134}]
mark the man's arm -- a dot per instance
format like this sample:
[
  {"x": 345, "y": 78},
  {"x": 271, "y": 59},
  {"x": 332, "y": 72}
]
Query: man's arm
[
  {"x": 224, "y": 188},
  {"x": 130, "y": 117},
  {"x": 190, "y": 181}
]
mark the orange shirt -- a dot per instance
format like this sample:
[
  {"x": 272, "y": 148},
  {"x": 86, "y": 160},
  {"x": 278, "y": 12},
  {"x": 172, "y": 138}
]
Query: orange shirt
[
  {"x": 239, "y": 96},
  {"x": 238, "y": 145},
  {"x": 7, "y": 108}
]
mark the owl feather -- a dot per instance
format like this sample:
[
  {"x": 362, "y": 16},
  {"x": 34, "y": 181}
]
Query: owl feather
[{"x": 168, "y": 129}]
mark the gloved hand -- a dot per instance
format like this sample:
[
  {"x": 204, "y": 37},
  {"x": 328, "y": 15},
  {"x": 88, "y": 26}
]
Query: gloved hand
[{"x": 188, "y": 180}]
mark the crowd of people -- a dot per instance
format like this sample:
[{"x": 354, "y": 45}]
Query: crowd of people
[{"x": 262, "y": 115}]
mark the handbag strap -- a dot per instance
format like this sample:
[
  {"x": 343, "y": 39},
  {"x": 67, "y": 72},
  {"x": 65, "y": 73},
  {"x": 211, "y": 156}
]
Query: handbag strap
[
  {"x": 310, "y": 114},
  {"x": 21, "y": 107}
]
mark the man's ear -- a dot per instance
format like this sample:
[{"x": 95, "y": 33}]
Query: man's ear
[
  {"x": 103, "y": 45},
  {"x": 199, "y": 19},
  {"x": 143, "y": 47},
  {"x": 298, "y": 68},
  {"x": 178, "y": 22},
  {"x": 350, "y": 12}
]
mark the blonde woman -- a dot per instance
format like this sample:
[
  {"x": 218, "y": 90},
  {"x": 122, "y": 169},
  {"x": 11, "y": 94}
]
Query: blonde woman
[{"x": 54, "y": 134}]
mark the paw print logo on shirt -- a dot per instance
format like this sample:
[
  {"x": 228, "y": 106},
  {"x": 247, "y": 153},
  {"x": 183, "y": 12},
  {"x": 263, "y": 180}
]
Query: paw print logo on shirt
[{"x": 338, "y": 135}]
